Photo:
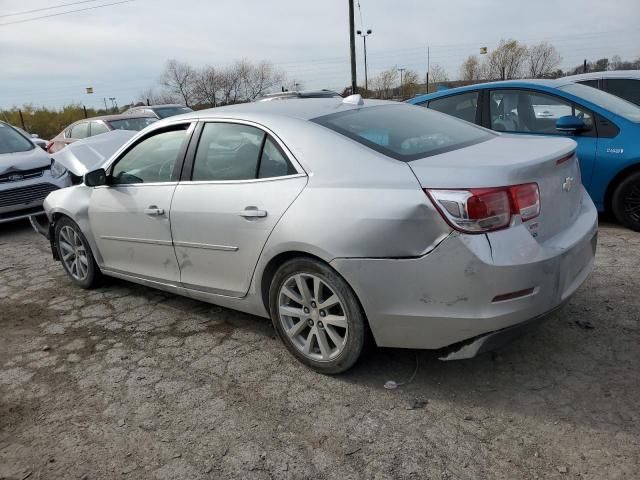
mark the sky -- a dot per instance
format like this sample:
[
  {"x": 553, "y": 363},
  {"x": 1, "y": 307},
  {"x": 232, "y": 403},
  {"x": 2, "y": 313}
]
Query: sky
[{"x": 120, "y": 50}]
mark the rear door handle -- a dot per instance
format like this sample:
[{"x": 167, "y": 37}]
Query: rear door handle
[
  {"x": 154, "y": 211},
  {"x": 253, "y": 212}
]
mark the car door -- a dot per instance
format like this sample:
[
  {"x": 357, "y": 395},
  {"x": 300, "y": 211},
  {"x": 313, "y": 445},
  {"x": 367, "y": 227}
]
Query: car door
[
  {"x": 129, "y": 216},
  {"x": 531, "y": 112},
  {"x": 235, "y": 187}
]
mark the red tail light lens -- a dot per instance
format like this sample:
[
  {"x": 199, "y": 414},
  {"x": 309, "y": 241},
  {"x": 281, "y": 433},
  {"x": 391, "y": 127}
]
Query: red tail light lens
[{"x": 479, "y": 210}]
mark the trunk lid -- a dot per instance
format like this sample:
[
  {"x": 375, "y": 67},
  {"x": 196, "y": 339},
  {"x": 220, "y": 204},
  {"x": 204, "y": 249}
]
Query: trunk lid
[{"x": 510, "y": 160}]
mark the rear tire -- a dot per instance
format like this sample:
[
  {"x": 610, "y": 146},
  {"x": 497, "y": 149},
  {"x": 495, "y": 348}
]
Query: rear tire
[
  {"x": 626, "y": 202},
  {"x": 317, "y": 315},
  {"x": 75, "y": 254}
]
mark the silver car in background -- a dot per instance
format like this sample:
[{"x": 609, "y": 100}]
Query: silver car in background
[
  {"x": 27, "y": 175},
  {"x": 343, "y": 221}
]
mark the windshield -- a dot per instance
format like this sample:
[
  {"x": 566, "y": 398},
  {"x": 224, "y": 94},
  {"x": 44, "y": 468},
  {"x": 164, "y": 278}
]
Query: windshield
[
  {"x": 404, "y": 132},
  {"x": 11, "y": 141},
  {"x": 165, "y": 112},
  {"x": 135, "y": 124},
  {"x": 617, "y": 105}
]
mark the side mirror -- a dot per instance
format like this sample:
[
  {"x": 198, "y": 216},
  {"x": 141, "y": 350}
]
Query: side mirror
[
  {"x": 35, "y": 135},
  {"x": 570, "y": 124},
  {"x": 95, "y": 178}
]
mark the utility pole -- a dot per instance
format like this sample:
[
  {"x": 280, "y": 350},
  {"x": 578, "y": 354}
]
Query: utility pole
[
  {"x": 364, "y": 39},
  {"x": 428, "y": 67},
  {"x": 21, "y": 119},
  {"x": 352, "y": 43},
  {"x": 401, "y": 70},
  {"x": 105, "y": 104},
  {"x": 584, "y": 68}
]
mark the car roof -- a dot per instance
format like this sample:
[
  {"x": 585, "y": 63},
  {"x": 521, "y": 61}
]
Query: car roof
[
  {"x": 548, "y": 83},
  {"x": 120, "y": 116},
  {"x": 163, "y": 105},
  {"x": 301, "y": 109},
  {"x": 604, "y": 74}
]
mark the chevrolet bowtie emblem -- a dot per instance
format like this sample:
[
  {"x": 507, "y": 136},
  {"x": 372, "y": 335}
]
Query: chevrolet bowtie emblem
[{"x": 568, "y": 184}]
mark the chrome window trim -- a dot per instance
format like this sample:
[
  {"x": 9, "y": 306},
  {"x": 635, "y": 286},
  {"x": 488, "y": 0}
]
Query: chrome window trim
[
  {"x": 250, "y": 180},
  {"x": 142, "y": 184},
  {"x": 290, "y": 156}
]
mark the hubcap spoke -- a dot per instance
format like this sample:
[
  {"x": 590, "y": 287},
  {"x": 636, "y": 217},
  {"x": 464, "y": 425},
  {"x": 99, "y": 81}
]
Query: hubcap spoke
[
  {"x": 293, "y": 295},
  {"x": 335, "y": 338},
  {"x": 297, "y": 329},
  {"x": 292, "y": 312},
  {"x": 335, "y": 320},
  {"x": 325, "y": 350},
  {"x": 304, "y": 290},
  {"x": 74, "y": 253},
  {"x": 330, "y": 302},
  {"x": 309, "y": 342}
]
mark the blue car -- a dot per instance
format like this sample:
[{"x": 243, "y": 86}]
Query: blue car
[{"x": 605, "y": 127}]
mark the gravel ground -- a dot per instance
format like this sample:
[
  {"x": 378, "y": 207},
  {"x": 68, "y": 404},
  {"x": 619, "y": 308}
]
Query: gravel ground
[{"x": 129, "y": 382}]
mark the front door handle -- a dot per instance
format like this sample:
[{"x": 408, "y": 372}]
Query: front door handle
[
  {"x": 253, "y": 212},
  {"x": 154, "y": 211}
]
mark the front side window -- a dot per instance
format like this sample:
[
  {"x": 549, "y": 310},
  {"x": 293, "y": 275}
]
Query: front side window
[
  {"x": 80, "y": 130},
  {"x": 165, "y": 112},
  {"x": 589, "y": 83},
  {"x": 625, "y": 88},
  {"x": 97, "y": 128},
  {"x": 463, "y": 106},
  {"x": 404, "y": 132},
  {"x": 136, "y": 123},
  {"x": 151, "y": 160},
  {"x": 614, "y": 104},
  {"x": 525, "y": 111}
]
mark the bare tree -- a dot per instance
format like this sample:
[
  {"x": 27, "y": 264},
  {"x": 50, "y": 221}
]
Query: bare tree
[
  {"x": 178, "y": 78},
  {"x": 411, "y": 81},
  {"x": 507, "y": 60},
  {"x": 385, "y": 82},
  {"x": 207, "y": 85},
  {"x": 260, "y": 78},
  {"x": 437, "y": 74},
  {"x": 156, "y": 97},
  {"x": 542, "y": 60},
  {"x": 472, "y": 70}
]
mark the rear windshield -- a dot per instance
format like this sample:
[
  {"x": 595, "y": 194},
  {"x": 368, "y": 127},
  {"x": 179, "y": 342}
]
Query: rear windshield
[
  {"x": 135, "y": 124},
  {"x": 404, "y": 132},
  {"x": 165, "y": 112},
  {"x": 11, "y": 141},
  {"x": 616, "y": 105}
]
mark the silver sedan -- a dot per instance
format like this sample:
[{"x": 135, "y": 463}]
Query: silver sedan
[{"x": 344, "y": 221}]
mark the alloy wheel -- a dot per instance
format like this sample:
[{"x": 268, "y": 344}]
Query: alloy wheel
[
  {"x": 313, "y": 317},
  {"x": 73, "y": 253},
  {"x": 632, "y": 203}
]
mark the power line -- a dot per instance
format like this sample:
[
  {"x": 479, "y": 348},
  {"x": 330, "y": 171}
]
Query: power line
[
  {"x": 37, "y": 10},
  {"x": 65, "y": 13}
]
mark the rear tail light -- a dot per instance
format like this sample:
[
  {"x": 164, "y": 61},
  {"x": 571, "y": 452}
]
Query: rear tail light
[{"x": 479, "y": 210}]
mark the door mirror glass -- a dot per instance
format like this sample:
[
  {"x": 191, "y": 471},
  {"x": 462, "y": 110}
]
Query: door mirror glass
[
  {"x": 95, "y": 178},
  {"x": 570, "y": 124}
]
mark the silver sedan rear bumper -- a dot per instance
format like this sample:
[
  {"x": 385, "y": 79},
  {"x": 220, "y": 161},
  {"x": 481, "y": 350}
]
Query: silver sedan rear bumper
[{"x": 466, "y": 291}]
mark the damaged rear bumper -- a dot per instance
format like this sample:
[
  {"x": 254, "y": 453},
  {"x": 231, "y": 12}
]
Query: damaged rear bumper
[{"x": 472, "y": 292}]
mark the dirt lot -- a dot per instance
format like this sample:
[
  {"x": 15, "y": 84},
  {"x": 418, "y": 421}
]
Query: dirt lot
[{"x": 129, "y": 382}]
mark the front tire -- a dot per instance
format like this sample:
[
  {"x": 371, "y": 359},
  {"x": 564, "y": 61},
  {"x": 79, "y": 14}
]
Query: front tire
[
  {"x": 626, "y": 202},
  {"x": 317, "y": 315},
  {"x": 75, "y": 254}
]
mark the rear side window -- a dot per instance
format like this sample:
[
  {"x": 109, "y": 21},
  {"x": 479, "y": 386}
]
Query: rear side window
[
  {"x": 97, "y": 128},
  {"x": 80, "y": 131},
  {"x": 233, "y": 151},
  {"x": 463, "y": 106},
  {"x": 404, "y": 132},
  {"x": 134, "y": 124},
  {"x": 625, "y": 88}
]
